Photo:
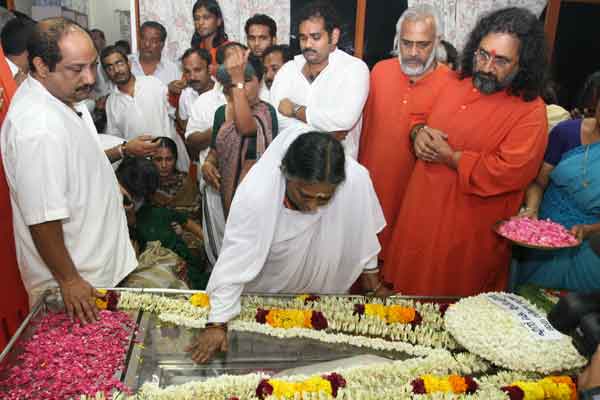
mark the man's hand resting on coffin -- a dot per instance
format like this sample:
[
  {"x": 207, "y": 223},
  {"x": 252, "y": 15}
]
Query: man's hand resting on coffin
[{"x": 210, "y": 340}]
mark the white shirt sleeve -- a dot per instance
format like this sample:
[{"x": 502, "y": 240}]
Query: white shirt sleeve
[
  {"x": 112, "y": 127},
  {"x": 350, "y": 90},
  {"x": 243, "y": 255},
  {"x": 282, "y": 88},
  {"x": 183, "y": 106},
  {"x": 41, "y": 178},
  {"x": 200, "y": 118}
]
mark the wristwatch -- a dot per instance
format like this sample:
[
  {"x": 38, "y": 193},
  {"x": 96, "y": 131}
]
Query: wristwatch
[
  {"x": 295, "y": 109},
  {"x": 239, "y": 85},
  {"x": 590, "y": 394}
]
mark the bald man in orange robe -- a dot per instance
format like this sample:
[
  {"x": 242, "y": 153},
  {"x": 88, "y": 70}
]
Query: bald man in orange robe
[
  {"x": 483, "y": 144},
  {"x": 402, "y": 90},
  {"x": 14, "y": 305}
]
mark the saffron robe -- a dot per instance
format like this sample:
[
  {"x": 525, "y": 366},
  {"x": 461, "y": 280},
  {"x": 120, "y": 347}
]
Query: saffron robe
[
  {"x": 394, "y": 104},
  {"x": 445, "y": 244},
  {"x": 14, "y": 306}
]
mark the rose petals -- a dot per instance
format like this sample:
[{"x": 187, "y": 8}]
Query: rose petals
[
  {"x": 537, "y": 232},
  {"x": 65, "y": 360}
]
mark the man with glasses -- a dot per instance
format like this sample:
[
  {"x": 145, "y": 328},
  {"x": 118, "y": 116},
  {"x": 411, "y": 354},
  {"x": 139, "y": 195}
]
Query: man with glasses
[
  {"x": 482, "y": 144},
  {"x": 402, "y": 89}
]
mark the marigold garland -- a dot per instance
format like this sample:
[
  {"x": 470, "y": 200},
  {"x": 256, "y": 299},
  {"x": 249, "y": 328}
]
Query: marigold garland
[
  {"x": 552, "y": 387},
  {"x": 428, "y": 384},
  {"x": 328, "y": 384},
  {"x": 291, "y": 318},
  {"x": 390, "y": 314}
]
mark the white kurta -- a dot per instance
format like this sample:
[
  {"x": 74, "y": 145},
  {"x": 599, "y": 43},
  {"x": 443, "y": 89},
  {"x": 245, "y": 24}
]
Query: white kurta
[
  {"x": 186, "y": 100},
  {"x": 166, "y": 70},
  {"x": 335, "y": 99},
  {"x": 145, "y": 113},
  {"x": 269, "y": 248},
  {"x": 56, "y": 170},
  {"x": 202, "y": 115}
]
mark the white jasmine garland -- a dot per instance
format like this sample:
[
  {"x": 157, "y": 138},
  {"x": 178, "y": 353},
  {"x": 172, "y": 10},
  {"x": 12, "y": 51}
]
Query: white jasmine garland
[{"x": 496, "y": 334}]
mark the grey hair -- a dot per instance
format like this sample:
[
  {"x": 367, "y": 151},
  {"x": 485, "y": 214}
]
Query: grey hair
[{"x": 416, "y": 13}]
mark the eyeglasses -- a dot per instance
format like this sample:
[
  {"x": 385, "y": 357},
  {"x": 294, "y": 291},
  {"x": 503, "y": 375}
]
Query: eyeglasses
[{"x": 498, "y": 62}]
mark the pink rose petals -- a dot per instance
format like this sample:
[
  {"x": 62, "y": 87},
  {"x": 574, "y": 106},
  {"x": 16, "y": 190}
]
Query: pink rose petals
[
  {"x": 65, "y": 360},
  {"x": 537, "y": 232}
]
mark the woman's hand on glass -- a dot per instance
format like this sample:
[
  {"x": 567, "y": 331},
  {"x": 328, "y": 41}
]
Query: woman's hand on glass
[{"x": 211, "y": 175}]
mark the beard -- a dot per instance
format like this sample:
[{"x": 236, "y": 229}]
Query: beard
[
  {"x": 488, "y": 83},
  {"x": 419, "y": 69},
  {"x": 122, "y": 79}
]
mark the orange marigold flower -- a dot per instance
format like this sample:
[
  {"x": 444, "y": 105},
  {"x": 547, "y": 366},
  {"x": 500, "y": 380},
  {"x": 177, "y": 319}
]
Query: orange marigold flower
[
  {"x": 459, "y": 385},
  {"x": 403, "y": 315}
]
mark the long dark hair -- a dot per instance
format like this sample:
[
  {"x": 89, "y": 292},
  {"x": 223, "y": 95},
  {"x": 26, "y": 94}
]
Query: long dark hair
[
  {"x": 315, "y": 157},
  {"x": 522, "y": 23},
  {"x": 212, "y": 7}
]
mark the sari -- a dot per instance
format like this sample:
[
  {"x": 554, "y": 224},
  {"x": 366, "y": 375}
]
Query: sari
[
  {"x": 234, "y": 163},
  {"x": 571, "y": 198}
]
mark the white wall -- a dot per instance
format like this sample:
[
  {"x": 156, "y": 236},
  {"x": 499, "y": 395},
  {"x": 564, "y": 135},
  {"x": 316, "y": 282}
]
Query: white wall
[
  {"x": 102, "y": 16},
  {"x": 24, "y": 6}
]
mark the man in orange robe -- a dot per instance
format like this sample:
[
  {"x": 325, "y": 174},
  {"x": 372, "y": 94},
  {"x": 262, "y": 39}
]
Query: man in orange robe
[
  {"x": 14, "y": 304},
  {"x": 402, "y": 89},
  {"x": 482, "y": 145}
]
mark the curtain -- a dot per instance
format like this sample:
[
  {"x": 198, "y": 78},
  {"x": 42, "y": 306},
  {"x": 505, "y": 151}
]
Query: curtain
[
  {"x": 176, "y": 16},
  {"x": 460, "y": 16}
]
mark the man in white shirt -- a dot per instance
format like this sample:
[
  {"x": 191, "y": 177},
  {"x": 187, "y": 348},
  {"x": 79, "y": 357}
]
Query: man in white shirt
[
  {"x": 273, "y": 59},
  {"x": 323, "y": 87},
  {"x": 304, "y": 220},
  {"x": 150, "y": 61},
  {"x": 69, "y": 223},
  {"x": 198, "y": 132},
  {"x": 137, "y": 106},
  {"x": 196, "y": 73},
  {"x": 14, "y": 37}
]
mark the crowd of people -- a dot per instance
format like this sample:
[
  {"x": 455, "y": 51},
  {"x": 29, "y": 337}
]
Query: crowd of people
[{"x": 267, "y": 172}]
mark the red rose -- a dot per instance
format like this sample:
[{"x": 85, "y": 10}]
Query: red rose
[
  {"x": 264, "y": 389},
  {"x": 337, "y": 381},
  {"x": 513, "y": 392},
  {"x": 261, "y": 316},
  {"x": 418, "y": 386},
  {"x": 318, "y": 321}
]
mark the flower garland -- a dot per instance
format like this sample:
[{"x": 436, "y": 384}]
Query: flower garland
[
  {"x": 552, "y": 387},
  {"x": 283, "y": 389},
  {"x": 455, "y": 384},
  {"x": 390, "y": 314},
  {"x": 290, "y": 318},
  {"x": 406, "y": 321},
  {"x": 509, "y": 331}
]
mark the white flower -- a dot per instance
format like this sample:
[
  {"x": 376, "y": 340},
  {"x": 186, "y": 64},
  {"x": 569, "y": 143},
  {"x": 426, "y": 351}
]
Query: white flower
[{"x": 486, "y": 328}]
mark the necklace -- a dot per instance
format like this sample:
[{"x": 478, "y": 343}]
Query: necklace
[{"x": 584, "y": 182}]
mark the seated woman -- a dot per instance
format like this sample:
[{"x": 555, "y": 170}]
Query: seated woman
[
  {"x": 140, "y": 179},
  {"x": 567, "y": 191},
  {"x": 242, "y": 130},
  {"x": 177, "y": 190}
]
